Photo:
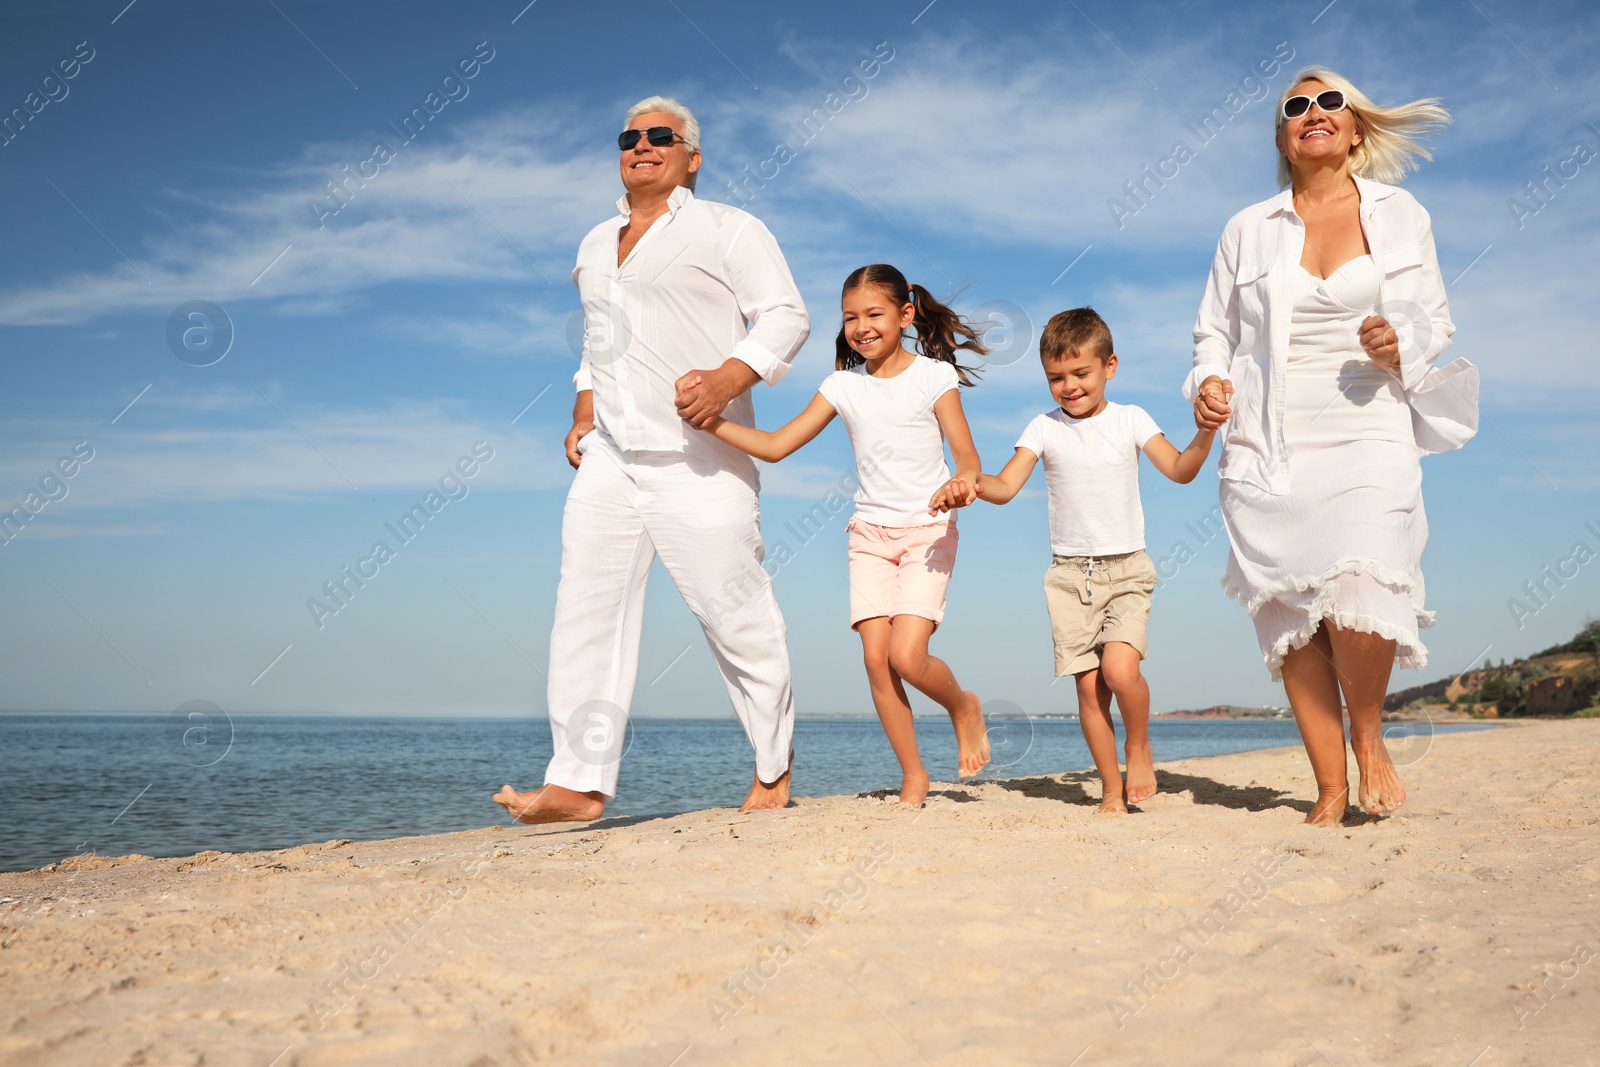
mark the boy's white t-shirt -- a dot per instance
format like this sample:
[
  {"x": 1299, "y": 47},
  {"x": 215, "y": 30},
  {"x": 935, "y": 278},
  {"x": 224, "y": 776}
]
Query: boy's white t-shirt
[
  {"x": 1091, "y": 476},
  {"x": 899, "y": 449}
]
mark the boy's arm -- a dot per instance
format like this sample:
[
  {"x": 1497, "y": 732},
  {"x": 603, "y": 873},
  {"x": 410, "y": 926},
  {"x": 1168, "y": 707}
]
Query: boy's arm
[
  {"x": 1181, "y": 467},
  {"x": 1000, "y": 488},
  {"x": 776, "y": 444},
  {"x": 962, "y": 488}
]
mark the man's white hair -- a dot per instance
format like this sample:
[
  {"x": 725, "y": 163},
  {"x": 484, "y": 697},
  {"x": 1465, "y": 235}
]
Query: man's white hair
[{"x": 691, "y": 128}]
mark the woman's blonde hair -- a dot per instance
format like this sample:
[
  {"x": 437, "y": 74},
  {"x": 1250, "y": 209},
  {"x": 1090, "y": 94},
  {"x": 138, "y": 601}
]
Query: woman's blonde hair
[{"x": 1389, "y": 145}]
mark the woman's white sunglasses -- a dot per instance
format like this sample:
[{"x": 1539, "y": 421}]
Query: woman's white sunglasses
[{"x": 1329, "y": 100}]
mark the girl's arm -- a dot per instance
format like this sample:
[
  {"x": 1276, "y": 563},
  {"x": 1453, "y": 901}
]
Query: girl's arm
[
  {"x": 962, "y": 489},
  {"x": 776, "y": 444},
  {"x": 1181, "y": 467}
]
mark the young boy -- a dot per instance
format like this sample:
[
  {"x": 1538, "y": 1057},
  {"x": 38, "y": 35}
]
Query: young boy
[{"x": 1098, "y": 589}]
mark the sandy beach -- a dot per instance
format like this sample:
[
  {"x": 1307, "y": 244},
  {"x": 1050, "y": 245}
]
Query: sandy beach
[{"x": 1003, "y": 923}]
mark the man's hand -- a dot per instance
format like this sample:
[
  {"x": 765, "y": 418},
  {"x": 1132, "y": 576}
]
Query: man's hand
[
  {"x": 702, "y": 394},
  {"x": 956, "y": 493},
  {"x": 1211, "y": 406},
  {"x": 1381, "y": 342},
  {"x": 582, "y": 423},
  {"x": 573, "y": 436}
]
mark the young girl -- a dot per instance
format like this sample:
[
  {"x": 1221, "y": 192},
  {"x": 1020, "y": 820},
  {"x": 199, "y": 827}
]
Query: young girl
[{"x": 900, "y": 409}]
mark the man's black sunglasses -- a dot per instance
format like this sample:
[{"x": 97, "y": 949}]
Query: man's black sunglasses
[{"x": 660, "y": 136}]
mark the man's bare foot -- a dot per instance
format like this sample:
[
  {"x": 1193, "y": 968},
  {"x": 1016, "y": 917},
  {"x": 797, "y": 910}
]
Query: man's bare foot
[
  {"x": 553, "y": 803},
  {"x": 914, "y": 788},
  {"x": 1380, "y": 791},
  {"x": 764, "y": 797},
  {"x": 1329, "y": 809},
  {"x": 1141, "y": 774},
  {"x": 972, "y": 737}
]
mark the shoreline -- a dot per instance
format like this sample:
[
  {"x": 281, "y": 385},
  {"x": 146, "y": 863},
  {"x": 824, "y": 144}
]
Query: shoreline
[
  {"x": 1212, "y": 921},
  {"x": 87, "y": 860}
]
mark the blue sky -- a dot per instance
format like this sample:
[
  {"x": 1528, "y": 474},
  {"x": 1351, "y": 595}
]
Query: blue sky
[{"x": 375, "y": 345}]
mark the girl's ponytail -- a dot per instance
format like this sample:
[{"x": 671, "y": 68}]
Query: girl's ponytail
[{"x": 940, "y": 331}]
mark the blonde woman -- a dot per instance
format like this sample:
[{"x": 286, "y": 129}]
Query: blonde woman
[{"x": 1316, "y": 345}]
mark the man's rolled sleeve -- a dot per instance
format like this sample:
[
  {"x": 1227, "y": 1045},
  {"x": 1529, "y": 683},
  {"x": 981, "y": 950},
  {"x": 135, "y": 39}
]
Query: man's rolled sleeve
[
  {"x": 769, "y": 301},
  {"x": 583, "y": 377}
]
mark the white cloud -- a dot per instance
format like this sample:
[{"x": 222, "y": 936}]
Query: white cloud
[
  {"x": 480, "y": 201},
  {"x": 217, "y": 445},
  {"x": 995, "y": 156}
]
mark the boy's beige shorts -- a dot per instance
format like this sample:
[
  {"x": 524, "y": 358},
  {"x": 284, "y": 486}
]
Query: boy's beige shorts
[{"x": 1095, "y": 599}]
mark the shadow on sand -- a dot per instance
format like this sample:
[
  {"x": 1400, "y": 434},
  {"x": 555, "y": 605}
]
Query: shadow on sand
[
  {"x": 958, "y": 795},
  {"x": 1070, "y": 789}
]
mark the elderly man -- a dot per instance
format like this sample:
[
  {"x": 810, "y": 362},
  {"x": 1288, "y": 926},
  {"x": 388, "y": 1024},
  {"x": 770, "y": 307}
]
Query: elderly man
[{"x": 668, "y": 285}]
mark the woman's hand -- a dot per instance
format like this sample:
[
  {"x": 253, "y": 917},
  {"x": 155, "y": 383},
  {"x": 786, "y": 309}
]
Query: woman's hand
[
  {"x": 1381, "y": 342},
  {"x": 1211, "y": 407}
]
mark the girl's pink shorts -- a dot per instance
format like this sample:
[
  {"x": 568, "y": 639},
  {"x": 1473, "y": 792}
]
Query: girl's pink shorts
[{"x": 900, "y": 571}]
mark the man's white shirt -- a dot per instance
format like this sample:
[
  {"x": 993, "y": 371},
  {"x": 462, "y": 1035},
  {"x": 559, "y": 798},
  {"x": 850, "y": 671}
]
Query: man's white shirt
[{"x": 705, "y": 282}]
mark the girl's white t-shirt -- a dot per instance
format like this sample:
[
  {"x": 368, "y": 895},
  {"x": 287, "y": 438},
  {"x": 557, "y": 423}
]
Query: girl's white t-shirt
[
  {"x": 1091, "y": 476},
  {"x": 899, "y": 448}
]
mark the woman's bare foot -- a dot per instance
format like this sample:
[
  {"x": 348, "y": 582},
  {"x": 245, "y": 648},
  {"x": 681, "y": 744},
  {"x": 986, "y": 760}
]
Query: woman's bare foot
[
  {"x": 914, "y": 788},
  {"x": 764, "y": 797},
  {"x": 1380, "y": 791},
  {"x": 1141, "y": 774},
  {"x": 972, "y": 736},
  {"x": 1329, "y": 808},
  {"x": 553, "y": 803},
  {"x": 1112, "y": 806}
]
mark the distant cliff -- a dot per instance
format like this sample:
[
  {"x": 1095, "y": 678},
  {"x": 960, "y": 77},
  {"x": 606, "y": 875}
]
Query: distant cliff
[
  {"x": 1560, "y": 680},
  {"x": 1228, "y": 711}
]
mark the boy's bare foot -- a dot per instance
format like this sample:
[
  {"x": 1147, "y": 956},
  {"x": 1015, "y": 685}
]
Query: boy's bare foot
[
  {"x": 972, "y": 736},
  {"x": 553, "y": 803},
  {"x": 1329, "y": 809},
  {"x": 1380, "y": 791},
  {"x": 1141, "y": 774},
  {"x": 914, "y": 788},
  {"x": 764, "y": 797}
]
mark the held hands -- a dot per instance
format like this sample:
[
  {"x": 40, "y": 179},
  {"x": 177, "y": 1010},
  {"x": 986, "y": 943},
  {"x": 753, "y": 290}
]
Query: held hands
[
  {"x": 1211, "y": 406},
  {"x": 956, "y": 493},
  {"x": 1381, "y": 342},
  {"x": 702, "y": 394}
]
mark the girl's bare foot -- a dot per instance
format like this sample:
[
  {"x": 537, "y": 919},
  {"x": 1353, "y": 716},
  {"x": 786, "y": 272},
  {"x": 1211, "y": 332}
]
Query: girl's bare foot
[
  {"x": 914, "y": 788},
  {"x": 1380, "y": 791},
  {"x": 972, "y": 736},
  {"x": 1141, "y": 774},
  {"x": 764, "y": 797},
  {"x": 553, "y": 803},
  {"x": 1112, "y": 801},
  {"x": 1329, "y": 809}
]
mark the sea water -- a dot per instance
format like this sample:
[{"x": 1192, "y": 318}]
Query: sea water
[{"x": 173, "y": 785}]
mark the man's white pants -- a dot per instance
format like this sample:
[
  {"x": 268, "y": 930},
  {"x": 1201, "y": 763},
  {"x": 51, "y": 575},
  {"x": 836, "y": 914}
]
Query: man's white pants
[{"x": 704, "y": 521}]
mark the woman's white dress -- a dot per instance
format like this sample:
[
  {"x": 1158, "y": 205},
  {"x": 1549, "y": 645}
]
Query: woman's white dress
[{"x": 1345, "y": 543}]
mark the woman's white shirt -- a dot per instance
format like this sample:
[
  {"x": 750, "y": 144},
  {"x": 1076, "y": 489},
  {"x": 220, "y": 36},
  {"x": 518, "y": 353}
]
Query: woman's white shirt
[
  {"x": 898, "y": 444},
  {"x": 1241, "y": 334}
]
